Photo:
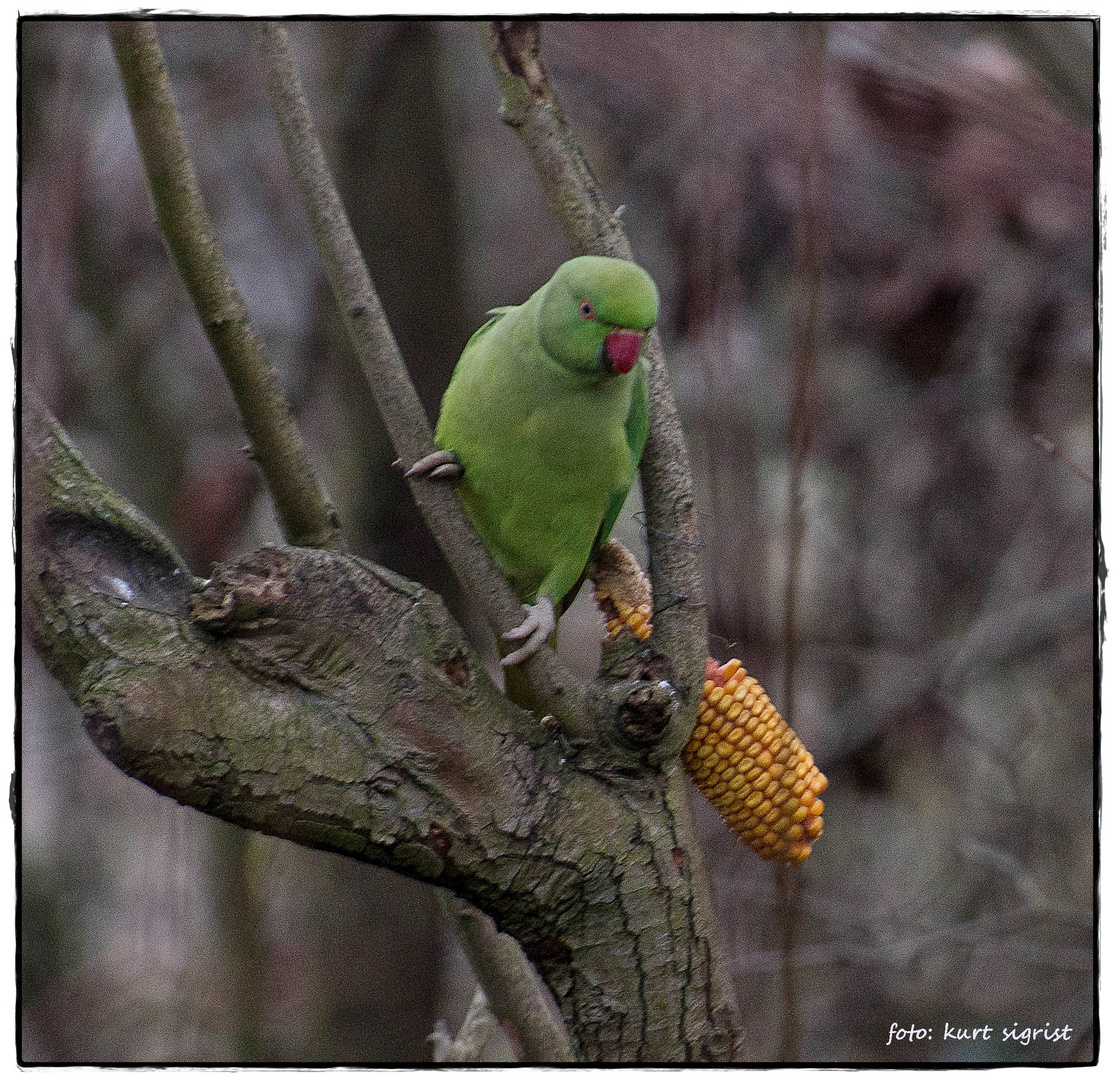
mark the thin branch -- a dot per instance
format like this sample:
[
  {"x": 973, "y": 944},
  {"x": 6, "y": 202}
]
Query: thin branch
[
  {"x": 1053, "y": 450},
  {"x": 530, "y": 107},
  {"x": 515, "y": 993},
  {"x": 799, "y": 437},
  {"x": 383, "y": 366},
  {"x": 305, "y": 515}
]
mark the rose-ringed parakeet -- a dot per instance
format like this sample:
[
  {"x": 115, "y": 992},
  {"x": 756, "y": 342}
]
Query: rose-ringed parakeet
[{"x": 543, "y": 423}]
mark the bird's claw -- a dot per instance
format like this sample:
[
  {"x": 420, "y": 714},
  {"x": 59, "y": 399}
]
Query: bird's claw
[
  {"x": 440, "y": 465},
  {"x": 536, "y": 628}
]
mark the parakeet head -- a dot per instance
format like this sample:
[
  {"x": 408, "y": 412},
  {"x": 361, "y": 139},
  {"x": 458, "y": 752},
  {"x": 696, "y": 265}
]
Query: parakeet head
[{"x": 595, "y": 313}]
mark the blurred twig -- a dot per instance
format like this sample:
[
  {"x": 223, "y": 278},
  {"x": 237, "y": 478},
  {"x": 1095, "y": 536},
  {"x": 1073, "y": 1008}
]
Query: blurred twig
[
  {"x": 993, "y": 637},
  {"x": 804, "y": 343},
  {"x": 304, "y": 512},
  {"x": 476, "y": 1032},
  {"x": 799, "y": 436},
  {"x": 240, "y": 930},
  {"x": 1053, "y": 450}
]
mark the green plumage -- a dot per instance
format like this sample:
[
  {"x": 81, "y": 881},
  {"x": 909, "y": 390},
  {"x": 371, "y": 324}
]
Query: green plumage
[{"x": 547, "y": 424}]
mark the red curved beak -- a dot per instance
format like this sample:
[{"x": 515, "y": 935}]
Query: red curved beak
[{"x": 621, "y": 350}]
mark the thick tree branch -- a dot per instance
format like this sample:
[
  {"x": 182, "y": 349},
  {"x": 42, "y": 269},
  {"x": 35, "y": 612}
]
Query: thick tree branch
[
  {"x": 314, "y": 696},
  {"x": 530, "y": 107},
  {"x": 305, "y": 514}
]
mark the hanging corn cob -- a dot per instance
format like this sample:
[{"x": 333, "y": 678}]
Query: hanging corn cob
[
  {"x": 753, "y": 768},
  {"x": 742, "y": 755}
]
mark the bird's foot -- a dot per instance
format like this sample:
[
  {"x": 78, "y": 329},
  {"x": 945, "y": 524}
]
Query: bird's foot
[
  {"x": 440, "y": 465},
  {"x": 536, "y": 628}
]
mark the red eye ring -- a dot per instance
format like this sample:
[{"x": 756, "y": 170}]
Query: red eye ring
[{"x": 587, "y": 310}]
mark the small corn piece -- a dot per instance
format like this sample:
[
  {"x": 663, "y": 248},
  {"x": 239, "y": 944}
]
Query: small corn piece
[
  {"x": 753, "y": 768},
  {"x": 742, "y": 755},
  {"x": 622, "y": 591},
  {"x": 637, "y": 620}
]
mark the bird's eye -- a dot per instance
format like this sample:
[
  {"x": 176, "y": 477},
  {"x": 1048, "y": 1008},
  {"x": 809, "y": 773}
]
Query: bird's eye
[{"x": 587, "y": 310}]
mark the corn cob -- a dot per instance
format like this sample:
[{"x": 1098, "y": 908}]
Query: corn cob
[
  {"x": 753, "y": 768},
  {"x": 742, "y": 755}
]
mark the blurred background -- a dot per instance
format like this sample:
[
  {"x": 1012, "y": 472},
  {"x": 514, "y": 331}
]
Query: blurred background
[{"x": 875, "y": 243}]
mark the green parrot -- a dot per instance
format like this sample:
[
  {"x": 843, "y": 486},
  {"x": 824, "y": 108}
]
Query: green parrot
[{"x": 543, "y": 424}]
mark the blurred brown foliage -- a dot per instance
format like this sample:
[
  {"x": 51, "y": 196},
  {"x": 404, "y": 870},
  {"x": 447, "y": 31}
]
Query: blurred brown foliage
[{"x": 944, "y": 627}]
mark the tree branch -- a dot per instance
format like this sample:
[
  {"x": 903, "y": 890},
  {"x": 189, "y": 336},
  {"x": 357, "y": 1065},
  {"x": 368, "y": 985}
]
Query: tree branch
[
  {"x": 808, "y": 259},
  {"x": 557, "y": 691},
  {"x": 530, "y": 107},
  {"x": 514, "y": 992},
  {"x": 305, "y": 514},
  {"x": 314, "y": 696}
]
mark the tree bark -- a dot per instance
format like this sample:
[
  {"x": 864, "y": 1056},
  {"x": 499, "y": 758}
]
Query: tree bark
[{"x": 315, "y": 696}]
